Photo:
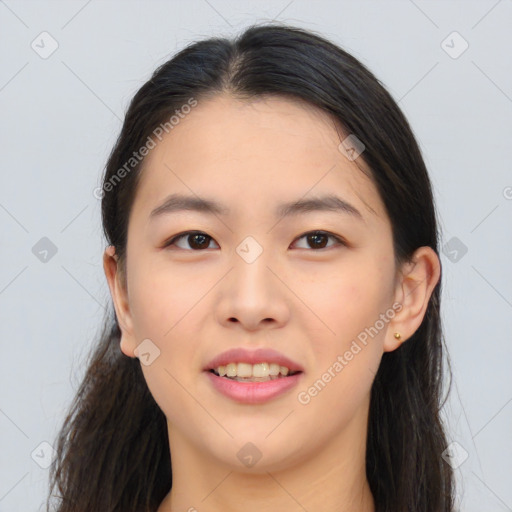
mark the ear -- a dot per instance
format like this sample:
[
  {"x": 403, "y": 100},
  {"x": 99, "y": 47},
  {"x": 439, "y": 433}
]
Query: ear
[
  {"x": 116, "y": 283},
  {"x": 416, "y": 282}
]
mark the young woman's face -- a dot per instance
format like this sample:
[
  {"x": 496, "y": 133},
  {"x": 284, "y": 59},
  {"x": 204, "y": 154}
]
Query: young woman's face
[{"x": 254, "y": 278}]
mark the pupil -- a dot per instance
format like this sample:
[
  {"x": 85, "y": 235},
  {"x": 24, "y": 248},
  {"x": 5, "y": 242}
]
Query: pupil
[
  {"x": 314, "y": 239},
  {"x": 202, "y": 239}
]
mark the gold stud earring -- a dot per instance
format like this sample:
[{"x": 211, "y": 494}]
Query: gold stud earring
[{"x": 398, "y": 335}]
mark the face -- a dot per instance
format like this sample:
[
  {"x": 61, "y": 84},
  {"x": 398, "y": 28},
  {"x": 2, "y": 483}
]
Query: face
[{"x": 310, "y": 285}]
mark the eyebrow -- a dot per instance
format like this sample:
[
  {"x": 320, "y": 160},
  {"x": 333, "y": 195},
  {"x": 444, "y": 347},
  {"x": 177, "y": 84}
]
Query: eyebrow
[{"x": 178, "y": 202}]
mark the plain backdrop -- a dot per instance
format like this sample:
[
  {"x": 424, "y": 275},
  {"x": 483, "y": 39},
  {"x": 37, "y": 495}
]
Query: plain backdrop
[{"x": 68, "y": 70}]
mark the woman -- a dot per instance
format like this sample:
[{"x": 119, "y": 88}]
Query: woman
[{"x": 273, "y": 264}]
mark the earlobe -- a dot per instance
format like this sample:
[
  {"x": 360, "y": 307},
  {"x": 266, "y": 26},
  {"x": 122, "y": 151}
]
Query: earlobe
[
  {"x": 415, "y": 285},
  {"x": 119, "y": 296}
]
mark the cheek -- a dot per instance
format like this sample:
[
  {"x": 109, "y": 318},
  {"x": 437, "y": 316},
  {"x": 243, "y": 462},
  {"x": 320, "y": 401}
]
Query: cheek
[
  {"x": 164, "y": 307},
  {"x": 351, "y": 300},
  {"x": 162, "y": 297},
  {"x": 350, "y": 297},
  {"x": 350, "y": 303}
]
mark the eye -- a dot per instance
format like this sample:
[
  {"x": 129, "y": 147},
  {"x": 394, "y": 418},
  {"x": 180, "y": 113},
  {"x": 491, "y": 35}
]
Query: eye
[
  {"x": 197, "y": 240},
  {"x": 318, "y": 239}
]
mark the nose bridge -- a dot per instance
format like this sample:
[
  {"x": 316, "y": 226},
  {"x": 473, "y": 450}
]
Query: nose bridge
[
  {"x": 252, "y": 276},
  {"x": 252, "y": 293},
  {"x": 250, "y": 250}
]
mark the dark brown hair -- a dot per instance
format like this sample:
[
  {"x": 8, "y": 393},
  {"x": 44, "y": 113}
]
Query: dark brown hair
[{"x": 113, "y": 450}]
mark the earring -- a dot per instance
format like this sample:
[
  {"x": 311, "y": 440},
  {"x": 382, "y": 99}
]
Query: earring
[{"x": 398, "y": 335}]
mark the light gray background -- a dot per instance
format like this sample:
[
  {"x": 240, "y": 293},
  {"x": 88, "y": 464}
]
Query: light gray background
[{"x": 61, "y": 115}]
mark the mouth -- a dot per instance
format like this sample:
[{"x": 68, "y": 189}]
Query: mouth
[
  {"x": 260, "y": 372},
  {"x": 253, "y": 376},
  {"x": 252, "y": 389}
]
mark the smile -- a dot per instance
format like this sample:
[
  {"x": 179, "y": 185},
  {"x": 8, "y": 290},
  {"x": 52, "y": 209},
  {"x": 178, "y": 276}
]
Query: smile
[{"x": 246, "y": 371}]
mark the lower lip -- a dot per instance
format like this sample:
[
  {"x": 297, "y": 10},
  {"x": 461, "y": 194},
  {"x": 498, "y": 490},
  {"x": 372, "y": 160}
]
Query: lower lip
[{"x": 253, "y": 392}]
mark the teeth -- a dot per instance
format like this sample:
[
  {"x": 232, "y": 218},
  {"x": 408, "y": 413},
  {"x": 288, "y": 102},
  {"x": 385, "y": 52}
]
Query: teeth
[
  {"x": 231, "y": 370},
  {"x": 246, "y": 370},
  {"x": 274, "y": 369},
  {"x": 260, "y": 370}
]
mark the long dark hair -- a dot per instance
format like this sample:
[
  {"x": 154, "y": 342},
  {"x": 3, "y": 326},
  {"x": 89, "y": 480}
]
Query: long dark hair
[{"x": 113, "y": 450}]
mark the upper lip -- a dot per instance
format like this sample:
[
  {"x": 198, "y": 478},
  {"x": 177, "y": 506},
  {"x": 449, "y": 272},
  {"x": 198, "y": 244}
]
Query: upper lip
[{"x": 260, "y": 355}]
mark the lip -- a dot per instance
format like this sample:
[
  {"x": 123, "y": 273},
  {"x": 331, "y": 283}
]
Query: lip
[
  {"x": 253, "y": 392},
  {"x": 260, "y": 355}
]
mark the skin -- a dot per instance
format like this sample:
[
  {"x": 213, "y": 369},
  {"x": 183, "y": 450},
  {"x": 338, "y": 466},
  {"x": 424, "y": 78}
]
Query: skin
[{"x": 308, "y": 303}]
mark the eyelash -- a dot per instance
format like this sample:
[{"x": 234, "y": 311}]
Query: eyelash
[{"x": 174, "y": 239}]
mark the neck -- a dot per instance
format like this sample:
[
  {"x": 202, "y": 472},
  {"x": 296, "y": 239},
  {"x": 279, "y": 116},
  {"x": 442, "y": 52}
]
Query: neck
[{"x": 331, "y": 480}]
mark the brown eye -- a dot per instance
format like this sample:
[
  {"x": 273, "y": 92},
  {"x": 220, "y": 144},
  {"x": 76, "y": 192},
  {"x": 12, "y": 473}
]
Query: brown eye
[
  {"x": 197, "y": 240},
  {"x": 319, "y": 239}
]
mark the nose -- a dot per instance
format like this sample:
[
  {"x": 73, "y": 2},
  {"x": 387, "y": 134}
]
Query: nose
[{"x": 252, "y": 295}]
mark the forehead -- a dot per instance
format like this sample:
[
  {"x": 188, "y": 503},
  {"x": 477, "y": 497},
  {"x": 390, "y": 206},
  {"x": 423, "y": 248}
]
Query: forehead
[{"x": 251, "y": 153}]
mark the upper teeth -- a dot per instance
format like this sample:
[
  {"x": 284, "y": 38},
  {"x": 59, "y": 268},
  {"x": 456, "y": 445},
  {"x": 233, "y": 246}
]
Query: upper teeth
[{"x": 251, "y": 370}]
